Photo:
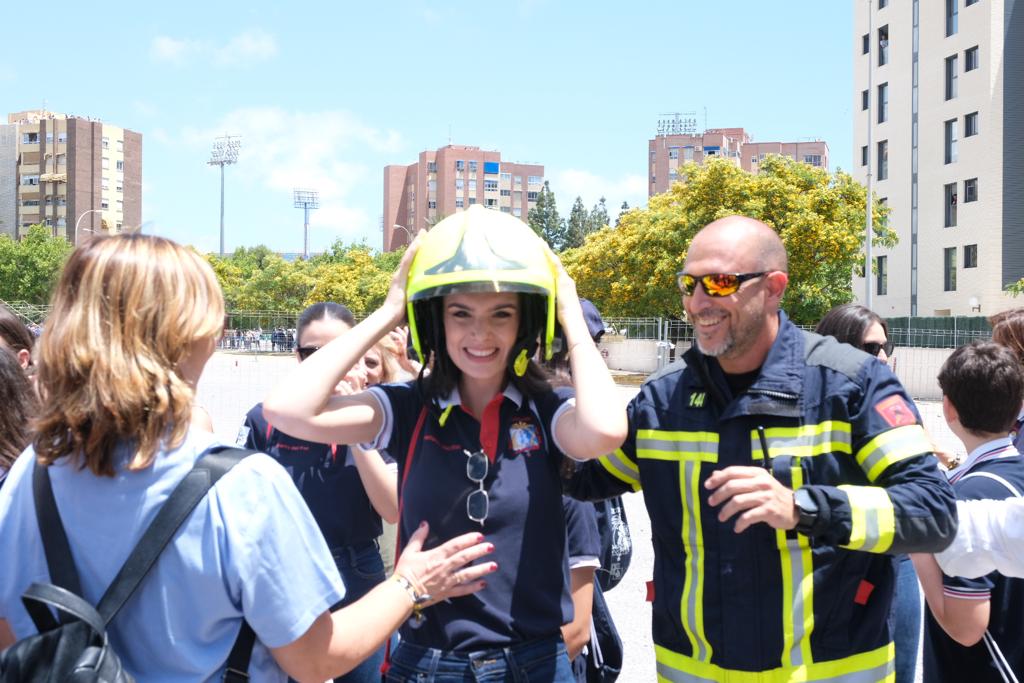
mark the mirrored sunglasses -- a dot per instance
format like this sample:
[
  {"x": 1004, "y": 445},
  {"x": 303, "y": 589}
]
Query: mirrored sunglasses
[
  {"x": 714, "y": 284},
  {"x": 478, "y": 503}
]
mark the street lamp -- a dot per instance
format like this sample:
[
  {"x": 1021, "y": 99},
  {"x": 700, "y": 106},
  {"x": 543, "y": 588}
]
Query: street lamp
[
  {"x": 79, "y": 222},
  {"x": 224, "y": 152}
]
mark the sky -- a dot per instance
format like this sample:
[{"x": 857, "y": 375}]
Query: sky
[{"x": 325, "y": 94}]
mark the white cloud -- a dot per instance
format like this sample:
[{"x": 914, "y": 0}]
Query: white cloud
[
  {"x": 245, "y": 48},
  {"x": 282, "y": 150},
  {"x": 570, "y": 183},
  {"x": 172, "y": 50},
  {"x": 248, "y": 47}
]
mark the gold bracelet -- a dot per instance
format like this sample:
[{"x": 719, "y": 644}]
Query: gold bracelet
[{"x": 418, "y": 599}]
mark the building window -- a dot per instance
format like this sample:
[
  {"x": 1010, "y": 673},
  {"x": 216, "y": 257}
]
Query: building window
[
  {"x": 431, "y": 204},
  {"x": 61, "y": 138},
  {"x": 30, "y": 202},
  {"x": 506, "y": 177},
  {"x": 865, "y": 100},
  {"x": 120, "y": 205},
  {"x": 688, "y": 153},
  {"x": 865, "y": 44},
  {"x": 950, "y": 141},
  {"x": 120, "y": 145},
  {"x": 883, "y": 103},
  {"x": 970, "y": 256},
  {"x": 970, "y": 124},
  {"x": 459, "y": 183},
  {"x": 30, "y": 138},
  {"x": 104, "y": 204},
  {"x": 883, "y": 159},
  {"x": 882, "y": 4},
  {"x": 459, "y": 203},
  {"x": 105, "y": 162},
  {"x": 518, "y": 182},
  {"x": 951, "y": 76},
  {"x": 490, "y": 202},
  {"x": 105, "y": 143},
  {"x": 949, "y": 204},
  {"x": 506, "y": 209},
  {"x": 864, "y": 155},
  {"x": 120, "y": 165},
  {"x": 535, "y": 180},
  {"x": 431, "y": 167},
  {"x": 490, "y": 185},
  {"x": 517, "y": 212},
  {"x": 460, "y": 165},
  {"x": 30, "y": 180},
  {"x": 812, "y": 159},
  {"x": 472, "y": 186},
  {"x": 949, "y": 269},
  {"x": 883, "y": 45},
  {"x": 506, "y": 193},
  {"x": 472, "y": 201},
  {"x": 472, "y": 166},
  {"x": 673, "y": 152},
  {"x": 531, "y": 196},
  {"x": 62, "y": 159},
  {"x": 971, "y": 190},
  {"x": 431, "y": 185},
  {"x": 951, "y": 17},
  {"x": 882, "y": 275},
  {"x": 971, "y": 58},
  {"x": 968, "y": 3},
  {"x": 119, "y": 188}
]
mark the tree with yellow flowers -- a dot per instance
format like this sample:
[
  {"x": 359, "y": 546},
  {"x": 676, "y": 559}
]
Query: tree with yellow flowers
[{"x": 630, "y": 270}]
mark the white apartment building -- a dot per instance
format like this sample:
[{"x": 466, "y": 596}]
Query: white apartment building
[{"x": 941, "y": 85}]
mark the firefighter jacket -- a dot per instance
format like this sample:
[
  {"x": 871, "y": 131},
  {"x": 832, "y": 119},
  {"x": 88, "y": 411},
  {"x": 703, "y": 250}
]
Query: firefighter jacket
[{"x": 770, "y": 605}]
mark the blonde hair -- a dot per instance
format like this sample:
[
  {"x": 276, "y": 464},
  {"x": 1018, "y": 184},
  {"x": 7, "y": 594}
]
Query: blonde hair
[
  {"x": 391, "y": 371},
  {"x": 126, "y": 312}
]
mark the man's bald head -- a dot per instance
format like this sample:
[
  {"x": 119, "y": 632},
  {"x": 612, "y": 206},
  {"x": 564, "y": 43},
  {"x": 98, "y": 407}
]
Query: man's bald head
[{"x": 748, "y": 238}]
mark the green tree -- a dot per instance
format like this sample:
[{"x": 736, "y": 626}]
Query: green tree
[
  {"x": 545, "y": 221},
  {"x": 578, "y": 225},
  {"x": 623, "y": 209},
  {"x": 598, "y": 217},
  {"x": 820, "y": 217},
  {"x": 30, "y": 267}
]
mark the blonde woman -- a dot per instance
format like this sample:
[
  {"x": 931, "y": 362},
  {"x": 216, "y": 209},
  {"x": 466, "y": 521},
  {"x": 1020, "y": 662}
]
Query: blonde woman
[{"x": 134, "y": 320}]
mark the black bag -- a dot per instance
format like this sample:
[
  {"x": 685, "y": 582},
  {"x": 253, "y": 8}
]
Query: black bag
[
  {"x": 604, "y": 653},
  {"x": 75, "y": 649},
  {"x": 616, "y": 543}
]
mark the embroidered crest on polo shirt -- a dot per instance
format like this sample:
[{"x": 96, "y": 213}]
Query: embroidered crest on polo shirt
[
  {"x": 524, "y": 437},
  {"x": 895, "y": 411}
]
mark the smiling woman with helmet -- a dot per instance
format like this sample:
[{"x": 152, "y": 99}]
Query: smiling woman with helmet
[{"x": 479, "y": 438}]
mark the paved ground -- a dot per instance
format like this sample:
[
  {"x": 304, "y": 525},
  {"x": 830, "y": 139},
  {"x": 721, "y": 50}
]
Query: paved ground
[{"x": 233, "y": 383}]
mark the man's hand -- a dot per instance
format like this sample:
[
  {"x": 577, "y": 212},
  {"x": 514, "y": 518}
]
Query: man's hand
[{"x": 755, "y": 491}]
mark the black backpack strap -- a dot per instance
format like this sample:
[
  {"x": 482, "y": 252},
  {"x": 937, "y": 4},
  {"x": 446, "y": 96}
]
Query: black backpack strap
[
  {"x": 209, "y": 468},
  {"x": 237, "y": 670},
  {"x": 59, "y": 561},
  {"x": 40, "y": 594}
]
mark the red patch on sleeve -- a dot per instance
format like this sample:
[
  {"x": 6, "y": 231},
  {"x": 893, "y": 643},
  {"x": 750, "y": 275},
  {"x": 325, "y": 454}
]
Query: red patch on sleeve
[
  {"x": 864, "y": 591},
  {"x": 650, "y": 591},
  {"x": 896, "y": 411}
]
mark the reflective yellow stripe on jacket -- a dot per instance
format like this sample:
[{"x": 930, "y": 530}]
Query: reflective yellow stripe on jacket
[
  {"x": 874, "y": 666},
  {"x": 690, "y": 450},
  {"x": 830, "y": 436},
  {"x": 890, "y": 447}
]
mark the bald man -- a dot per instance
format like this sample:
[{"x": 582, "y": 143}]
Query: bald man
[{"x": 780, "y": 469}]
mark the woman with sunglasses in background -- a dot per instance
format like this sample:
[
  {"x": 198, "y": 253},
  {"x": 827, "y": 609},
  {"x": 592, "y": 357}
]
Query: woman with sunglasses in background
[
  {"x": 348, "y": 495},
  {"x": 864, "y": 329},
  {"x": 479, "y": 439}
]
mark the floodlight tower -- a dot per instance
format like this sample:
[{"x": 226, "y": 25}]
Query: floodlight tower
[
  {"x": 224, "y": 152},
  {"x": 306, "y": 199}
]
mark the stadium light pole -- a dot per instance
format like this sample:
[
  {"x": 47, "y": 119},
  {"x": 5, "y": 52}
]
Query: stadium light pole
[
  {"x": 79, "y": 221},
  {"x": 225, "y": 151},
  {"x": 306, "y": 199}
]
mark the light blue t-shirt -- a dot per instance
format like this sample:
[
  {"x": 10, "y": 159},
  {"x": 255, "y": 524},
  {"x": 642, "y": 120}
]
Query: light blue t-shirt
[{"x": 250, "y": 547}]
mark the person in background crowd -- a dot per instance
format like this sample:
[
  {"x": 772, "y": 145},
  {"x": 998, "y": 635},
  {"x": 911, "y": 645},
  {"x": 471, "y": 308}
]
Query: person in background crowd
[
  {"x": 779, "y": 470},
  {"x": 347, "y": 492},
  {"x": 134, "y": 319},
  {"x": 479, "y": 440},
  {"x": 862, "y": 328},
  {"x": 17, "y": 338},
  {"x": 973, "y": 627},
  {"x": 19, "y": 405},
  {"x": 1008, "y": 330}
]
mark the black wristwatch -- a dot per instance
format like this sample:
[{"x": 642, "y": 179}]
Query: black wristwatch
[{"x": 806, "y": 509}]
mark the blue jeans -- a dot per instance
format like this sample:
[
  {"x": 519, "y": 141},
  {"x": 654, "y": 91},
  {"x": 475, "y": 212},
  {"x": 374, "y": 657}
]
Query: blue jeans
[
  {"x": 361, "y": 569},
  {"x": 906, "y": 608},
  {"x": 543, "y": 661}
]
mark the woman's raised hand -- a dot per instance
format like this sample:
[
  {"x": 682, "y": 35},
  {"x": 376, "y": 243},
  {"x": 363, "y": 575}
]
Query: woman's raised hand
[{"x": 394, "y": 302}]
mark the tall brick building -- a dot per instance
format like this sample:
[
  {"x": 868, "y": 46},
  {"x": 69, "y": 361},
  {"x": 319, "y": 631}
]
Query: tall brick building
[
  {"x": 63, "y": 170},
  {"x": 451, "y": 179}
]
